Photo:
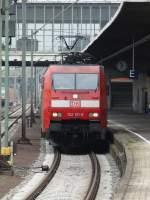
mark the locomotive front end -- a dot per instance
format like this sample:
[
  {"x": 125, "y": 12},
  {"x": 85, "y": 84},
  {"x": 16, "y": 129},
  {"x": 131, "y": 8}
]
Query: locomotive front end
[{"x": 75, "y": 105}]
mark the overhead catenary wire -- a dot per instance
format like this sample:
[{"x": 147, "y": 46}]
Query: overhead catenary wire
[
  {"x": 59, "y": 13},
  {"x": 55, "y": 16}
]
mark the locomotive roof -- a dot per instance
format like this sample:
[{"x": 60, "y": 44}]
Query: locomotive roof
[
  {"x": 61, "y": 68},
  {"x": 76, "y": 65}
]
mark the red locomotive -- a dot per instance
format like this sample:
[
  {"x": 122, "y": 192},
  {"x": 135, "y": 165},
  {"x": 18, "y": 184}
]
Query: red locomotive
[{"x": 74, "y": 104}]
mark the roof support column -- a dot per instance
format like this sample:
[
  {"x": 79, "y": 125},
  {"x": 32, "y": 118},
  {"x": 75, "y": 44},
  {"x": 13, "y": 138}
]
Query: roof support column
[
  {"x": 62, "y": 26},
  {"x": 100, "y": 17},
  {"x": 6, "y": 71},
  {"x": 81, "y": 20},
  {"x": 133, "y": 55},
  {"x": 35, "y": 87},
  {"x": 53, "y": 29},
  {"x": 34, "y": 26},
  {"x": 23, "y": 139},
  {"x": 32, "y": 81},
  {"x": 0, "y": 67},
  {"x": 44, "y": 30}
]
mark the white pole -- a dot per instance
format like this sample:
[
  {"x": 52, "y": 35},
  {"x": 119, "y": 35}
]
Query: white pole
[{"x": 0, "y": 68}]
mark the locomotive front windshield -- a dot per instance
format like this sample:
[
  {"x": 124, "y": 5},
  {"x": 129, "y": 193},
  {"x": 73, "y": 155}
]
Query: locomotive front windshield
[{"x": 75, "y": 81}]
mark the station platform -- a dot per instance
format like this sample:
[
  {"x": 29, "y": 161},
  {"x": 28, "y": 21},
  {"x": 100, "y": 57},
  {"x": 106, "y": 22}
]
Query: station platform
[
  {"x": 26, "y": 154},
  {"x": 139, "y": 123},
  {"x": 133, "y": 132},
  {"x": 119, "y": 120}
]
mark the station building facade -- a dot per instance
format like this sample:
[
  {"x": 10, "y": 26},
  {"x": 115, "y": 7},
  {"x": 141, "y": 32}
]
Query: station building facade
[
  {"x": 60, "y": 20},
  {"x": 56, "y": 21},
  {"x": 50, "y": 20}
]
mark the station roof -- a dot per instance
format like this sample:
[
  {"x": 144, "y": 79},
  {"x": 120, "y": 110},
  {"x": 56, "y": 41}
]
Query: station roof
[
  {"x": 72, "y": 1},
  {"x": 75, "y": 1},
  {"x": 130, "y": 23}
]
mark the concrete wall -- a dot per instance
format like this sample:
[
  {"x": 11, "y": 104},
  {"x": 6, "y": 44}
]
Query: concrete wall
[
  {"x": 109, "y": 94},
  {"x": 141, "y": 93}
]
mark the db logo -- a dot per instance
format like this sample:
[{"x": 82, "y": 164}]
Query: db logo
[{"x": 75, "y": 104}]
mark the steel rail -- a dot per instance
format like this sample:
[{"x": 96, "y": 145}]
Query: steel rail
[
  {"x": 14, "y": 122},
  {"x": 95, "y": 180},
  {"x": 51, "y": 173},
  {"x": 11, "y": 113}
]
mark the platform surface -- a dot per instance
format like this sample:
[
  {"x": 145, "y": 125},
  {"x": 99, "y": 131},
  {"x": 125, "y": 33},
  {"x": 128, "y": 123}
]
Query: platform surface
[
  {"x": 135, "y": 186},
  {"x": 139, "y": 123},
  {"x": 26, "y": 155}
]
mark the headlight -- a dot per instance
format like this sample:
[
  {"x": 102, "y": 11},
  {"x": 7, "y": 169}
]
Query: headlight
[
  {"x": 56, "y": 114},
  {"x": 75, "y": 96},
  {"x": 93, "y": 115}
]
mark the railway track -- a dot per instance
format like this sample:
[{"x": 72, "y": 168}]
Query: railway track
[
  {"x": 95, "y": 180},
  {"x": 11, "y": 112},
  {"x": 91, "y": 187},
  {"x": 14, "y": 117},
  {"x": 51, "y": 173},
  {"x": 70, "y": 177}
]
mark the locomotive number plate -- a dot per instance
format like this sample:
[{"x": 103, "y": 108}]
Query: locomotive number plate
[{"x": 75, "y": 103}]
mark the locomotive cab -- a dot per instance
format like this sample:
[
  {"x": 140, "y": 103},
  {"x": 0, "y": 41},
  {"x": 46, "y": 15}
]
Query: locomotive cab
[{"x": 74, "y": 104}]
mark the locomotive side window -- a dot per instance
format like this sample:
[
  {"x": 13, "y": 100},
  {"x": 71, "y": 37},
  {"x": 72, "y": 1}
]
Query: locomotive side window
[
  {"x": 63, "y": 81},
  {"x": 75, "y": 81},
  {"x": 86, "y": 81}
]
